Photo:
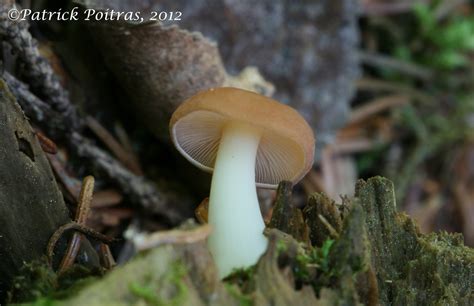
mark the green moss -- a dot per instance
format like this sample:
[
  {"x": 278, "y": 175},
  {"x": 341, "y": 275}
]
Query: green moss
[
  {"x": 320, "y": 207},
  {"x": 178, "y": 271},
  {"x": 413, "y": 269},
  {"x": 313, "y": 259},
  {"x": 281, "y": 246},
  {"x": 242, "y": 299},
  {"x": 44, "y": 301},
  {"x": 35, "y": 280},
  {"x": 38, "y": 282},
  {"x": 242, "y": 278},
  {"x": 452, "y": 39},
  {"x": 146, "y": 292}
]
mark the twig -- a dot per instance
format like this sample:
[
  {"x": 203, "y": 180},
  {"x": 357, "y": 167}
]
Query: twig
[
  {"x": 446, "y": 7},
  {"x": 59, "y": 117},
  {"x": 47, "y": 144},
  {"x": 82, "y": 211},
  {"x": 73, "y": 226},
  {"x": 355, "y": 145},
  {"x": 37, "y": 70},
  {"x": 106, "y": 198},
  {"x": 375, "y": 84},
  {"x": 80, "y": 219},
  {"x": 124, "y": 139},
  {"x": 138, "y": 188},
  {"x": 375, "y": 106},
  {"x": 382, "y": 61},
  {"x": 85, "y": 200},
  {"x": 148, "y": 241},
  {"x": 35, "y": 108},
  {"x": 387, "y": 8},
  {"x": 124, "y": 156},
  {"x": 328, "y": 225}
]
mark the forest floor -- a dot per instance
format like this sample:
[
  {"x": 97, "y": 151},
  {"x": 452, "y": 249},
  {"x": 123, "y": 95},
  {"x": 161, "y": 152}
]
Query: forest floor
[{"x": 408, "y": 110}]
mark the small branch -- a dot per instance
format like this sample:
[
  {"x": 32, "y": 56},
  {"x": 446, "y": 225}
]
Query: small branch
[
  {"x": 377, "y": 8},
  {"x": 375, "y": 106},
  {"x": 37, "y": 70},
  {"x": 382, "y": 61},
  {"x": 138, "y": 188},
  {"x": 77, "y": 227},
  {"x": 35, "y": 108},
  {"x": 355, "y": 145},
  {"x": 329, "y": 227},
  {"x": 127, "y": 158},
  {"x": 446, "y": 7},
  {"x": 381, "y": 85},
  {"x": 148, "y": 241},
  {"x": 51, "y": 108}
]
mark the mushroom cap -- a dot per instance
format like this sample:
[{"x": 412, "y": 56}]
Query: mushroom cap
[{"x": 286, "y": 148}]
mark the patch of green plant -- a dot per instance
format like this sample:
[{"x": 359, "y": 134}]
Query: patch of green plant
[
  {"x": 38, "y": 282},
  {"x": 367, "y": 161},
  {"x": 241, "y": 277},
  {"x": 315, "y": 260},
  {"x": 178, "y": 272},
  {"x": 441, "y": 43},
  {"x": 243, "y": 299},
  {"x": 451, "y": 40},
  {"x": 281, "y": 246},
  {"x": 44, "y": 301},
  {"x": 148, "y": 292}
]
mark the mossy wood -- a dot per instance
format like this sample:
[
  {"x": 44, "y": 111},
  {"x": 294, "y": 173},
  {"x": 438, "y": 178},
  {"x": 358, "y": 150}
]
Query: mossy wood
[{"x": 376, "y": 256}]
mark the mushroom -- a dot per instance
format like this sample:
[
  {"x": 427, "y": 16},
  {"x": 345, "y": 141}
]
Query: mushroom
[{"x": 246, "y": 140}]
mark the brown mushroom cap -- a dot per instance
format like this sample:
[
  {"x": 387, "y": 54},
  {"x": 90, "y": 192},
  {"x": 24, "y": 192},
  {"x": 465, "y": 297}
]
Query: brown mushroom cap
[{"x": 286, "y": 148}]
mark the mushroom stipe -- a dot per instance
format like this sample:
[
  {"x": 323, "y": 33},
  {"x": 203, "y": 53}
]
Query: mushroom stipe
[{"x": 246, "y": 140}]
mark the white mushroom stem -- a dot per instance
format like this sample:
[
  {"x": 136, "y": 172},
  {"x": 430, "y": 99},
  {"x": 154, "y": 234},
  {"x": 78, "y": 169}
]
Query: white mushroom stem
[{"x": 237, "y": 239}]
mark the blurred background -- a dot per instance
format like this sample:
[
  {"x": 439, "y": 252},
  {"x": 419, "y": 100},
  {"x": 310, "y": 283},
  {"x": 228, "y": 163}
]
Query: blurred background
[
  {"x": 412, "y": 117},
  {"x": 388, "y": 87}
]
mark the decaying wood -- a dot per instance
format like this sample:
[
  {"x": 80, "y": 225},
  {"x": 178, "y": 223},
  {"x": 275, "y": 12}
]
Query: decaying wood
[
  {"x": 31, "y": 205},
  {"x": 140, "y": 190},
  {"x": 37, "y": 70},
  {"x": 50, "y": 108},
  {"x": 378, "y": 258},
  {"x": 411, "y": 268},
  {"x": 285, "y": 216},
  {"x": 164, "y": 66},
  {"x": 323, "y": 218}
]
